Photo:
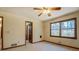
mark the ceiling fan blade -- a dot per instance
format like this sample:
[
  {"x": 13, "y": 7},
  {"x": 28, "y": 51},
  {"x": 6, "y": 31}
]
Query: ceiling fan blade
[
  {"x": 55, "y": 8},
  {"x": 37, "y": 8},
  {"x": 40, "y": 14},
  {"x": 45, "y": 8}
]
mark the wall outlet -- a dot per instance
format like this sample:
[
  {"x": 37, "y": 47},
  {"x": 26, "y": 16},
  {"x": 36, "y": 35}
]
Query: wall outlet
[{"x": 40, "y": 36}]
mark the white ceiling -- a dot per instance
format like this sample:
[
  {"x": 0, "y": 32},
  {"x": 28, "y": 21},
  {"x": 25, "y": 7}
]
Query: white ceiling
[{"x": 28, "y": 11}]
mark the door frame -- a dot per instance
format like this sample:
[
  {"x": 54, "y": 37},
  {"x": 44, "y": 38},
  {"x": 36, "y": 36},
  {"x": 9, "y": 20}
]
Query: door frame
[
  {"x": 25, "y": 30},
  {"x": 2, "y": 34}
]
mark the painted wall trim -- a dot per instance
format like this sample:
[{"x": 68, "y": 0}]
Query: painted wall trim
[
  {"x": 13, "y": 47},
  {"x": 61, "y": 44},
  {"x": 38, "y": 41}
]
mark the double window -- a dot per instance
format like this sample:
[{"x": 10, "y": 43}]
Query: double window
[{"x": 66, "y": 28}]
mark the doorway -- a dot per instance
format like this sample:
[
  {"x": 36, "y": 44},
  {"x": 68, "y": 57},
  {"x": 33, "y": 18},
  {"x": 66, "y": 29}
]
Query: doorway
[
  {"x": 29, "y": 31},
  {"x": 1, "y": 32}
]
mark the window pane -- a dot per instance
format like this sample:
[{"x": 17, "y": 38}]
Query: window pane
[
  {"x": 68, "y": 24},
  {"x": 67, "y": 33},
  {"x": 71, "y": 24},
  {"x": 63, "y": 25},
  {"x": 55, "y": 26},
  {"x": 55, "y": 32}
]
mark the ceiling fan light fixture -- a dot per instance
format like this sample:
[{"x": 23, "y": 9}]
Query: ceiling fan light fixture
[
  {"x": 49, "y": 14},
  {"x": 46, "y": 11}
]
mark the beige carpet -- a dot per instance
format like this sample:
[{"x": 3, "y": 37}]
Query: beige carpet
[{"x": 42, "y": 46}]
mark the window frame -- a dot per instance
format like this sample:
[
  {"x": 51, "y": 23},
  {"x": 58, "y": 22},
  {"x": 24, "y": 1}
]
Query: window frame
[
  {"x": 50, "y": 29},
  {"x": 75, "y": 29}
]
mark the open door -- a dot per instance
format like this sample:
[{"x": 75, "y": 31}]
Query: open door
[{"x": 28, "y": 30}]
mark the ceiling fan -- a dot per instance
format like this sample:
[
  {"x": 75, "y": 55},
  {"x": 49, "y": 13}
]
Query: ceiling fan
[{"x": 47, "y": 10}]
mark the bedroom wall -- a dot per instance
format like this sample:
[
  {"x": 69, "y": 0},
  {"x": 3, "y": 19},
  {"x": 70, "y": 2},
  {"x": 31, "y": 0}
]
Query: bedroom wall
[
  {"x": 14, "y": 29},
  {"x": 64, "y": 41}
]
